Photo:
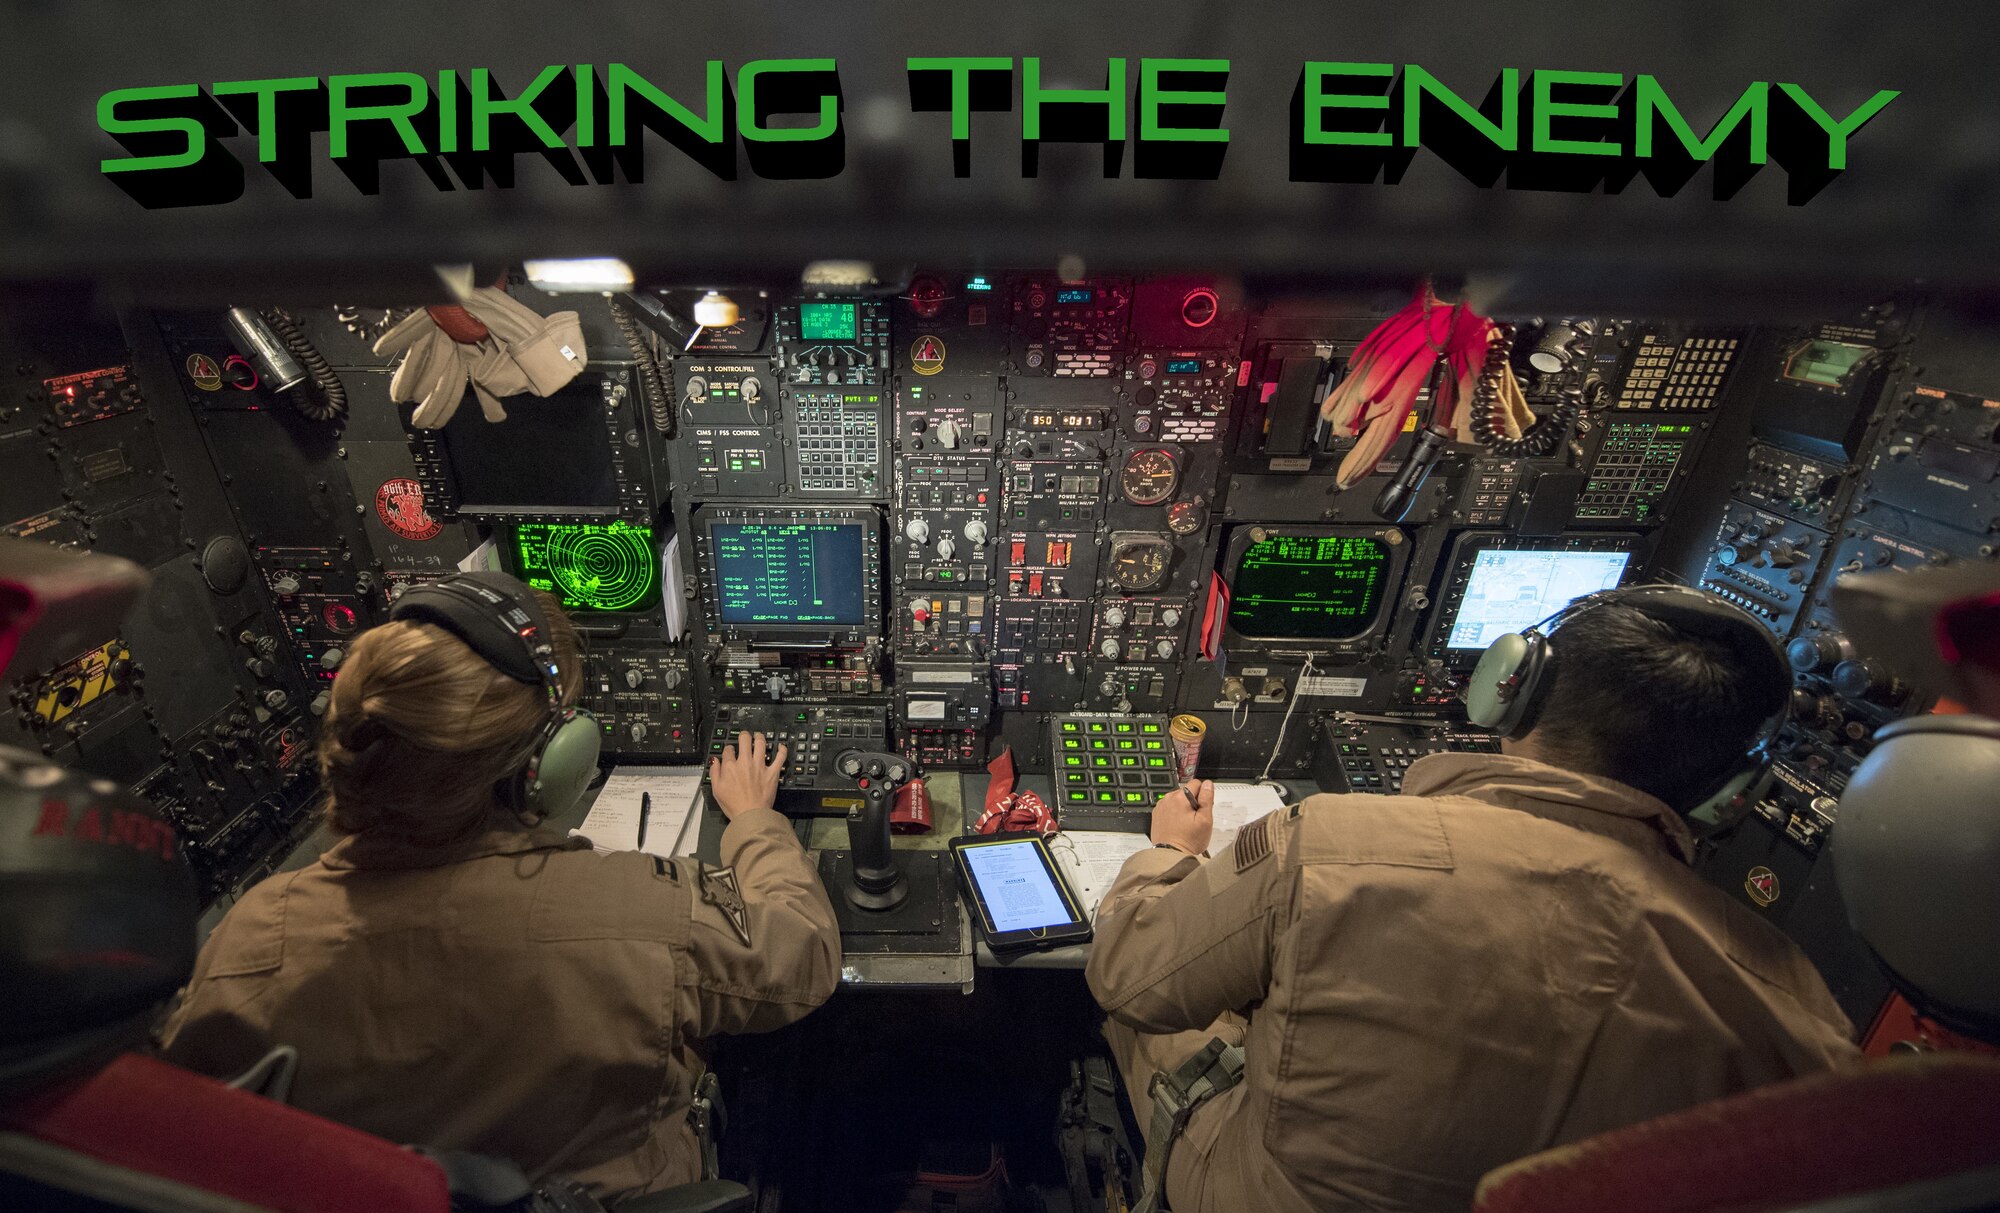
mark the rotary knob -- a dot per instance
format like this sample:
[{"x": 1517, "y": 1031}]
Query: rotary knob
[
  {"x": 697, "y": 388},
  {"x": 276, "y": 700},
  {"x": 1740, "y": 552},
  {"x": 1164, "y": 649},
  {"x": 917, "y": 530},
  {"x": 331, "y": 658},
  {"x": 1170, "y": 616},
  {"x": 975, "y": 531},
  {"x": 1866, "y": 678},
  {"x": 1148, "y": 368},
  {"x": 1810, "y": 653},
  {"x": 1114, "y": 617},
  {"x": 752, "y": 391},
  {"x": 635, "y": 678},
  {"x": 945, "y": 548},
  {"x": 1110, "y": 648},
  {"x": 285, "y": 583},
  {"x": 1785, "y": 554},
  {"x": 672, "y": 678},
  {"x": 948, "y": 433},
  {"x": 1108, "y": 687},
  {"x": 638, "y": 731},
  {"x": 320, "y": 703}
]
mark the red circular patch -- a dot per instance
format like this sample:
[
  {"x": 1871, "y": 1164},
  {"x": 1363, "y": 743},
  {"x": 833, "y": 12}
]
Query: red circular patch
[{"x": 399, "y": 504}]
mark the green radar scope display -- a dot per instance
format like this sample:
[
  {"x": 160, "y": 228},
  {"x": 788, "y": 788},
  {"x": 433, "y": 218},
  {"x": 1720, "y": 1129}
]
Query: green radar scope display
[{"x": 591, "y": 567}]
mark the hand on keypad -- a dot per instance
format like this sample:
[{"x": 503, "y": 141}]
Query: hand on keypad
[{"x": 745, "y": 776}]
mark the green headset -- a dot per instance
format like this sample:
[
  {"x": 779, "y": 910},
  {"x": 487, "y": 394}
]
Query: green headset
[
  {"x": 499, "y": 619},
  {"x": 1511, "y": 682}
]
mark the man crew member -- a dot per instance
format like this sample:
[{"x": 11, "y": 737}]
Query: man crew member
[
  {"x": 1512, "y": 954},
  {"x": 455, "y": 978}
]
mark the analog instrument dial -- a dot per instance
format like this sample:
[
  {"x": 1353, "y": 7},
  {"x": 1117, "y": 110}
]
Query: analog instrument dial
[
  {"x": 1149, "y": 476},
  {"x": 1140, "y": 565},
  {"x": 1187, "y": 517}
]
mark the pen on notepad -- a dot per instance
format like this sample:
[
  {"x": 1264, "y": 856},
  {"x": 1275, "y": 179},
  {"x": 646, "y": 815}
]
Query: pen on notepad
[{"x": 645, "y": 812}]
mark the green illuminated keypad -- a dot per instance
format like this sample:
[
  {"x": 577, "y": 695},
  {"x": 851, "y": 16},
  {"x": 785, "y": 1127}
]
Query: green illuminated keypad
[{"x": 1111, "y": 763}]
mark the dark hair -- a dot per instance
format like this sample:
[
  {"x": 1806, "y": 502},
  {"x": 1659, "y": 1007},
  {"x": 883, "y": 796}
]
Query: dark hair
[{"x": 1653, "y": 706}]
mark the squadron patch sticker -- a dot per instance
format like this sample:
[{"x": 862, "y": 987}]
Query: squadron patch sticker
[
  {"x": 399, "y": 503},
  {"x": 1762, "y": 885},
  {"x": 719, "y": 889}
]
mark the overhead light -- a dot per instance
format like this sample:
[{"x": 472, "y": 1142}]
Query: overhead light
[
  {"x": 838, "y": 273},
  {"x": 716, "y": 310},
  {"x": 580, "y": 274}
]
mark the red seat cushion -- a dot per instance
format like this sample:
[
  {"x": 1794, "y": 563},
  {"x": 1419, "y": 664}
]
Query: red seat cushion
[
  {"x": 148, "y": 1116},
  {"x": 1878, "y": 1126}
]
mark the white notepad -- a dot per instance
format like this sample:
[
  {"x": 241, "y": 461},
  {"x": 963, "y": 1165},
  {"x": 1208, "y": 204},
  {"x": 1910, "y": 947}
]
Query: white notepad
[
  {"x": 1236, "y": 806},
  {"x": 613, "y": 821},
  {"x": 1090, "y": 860}
]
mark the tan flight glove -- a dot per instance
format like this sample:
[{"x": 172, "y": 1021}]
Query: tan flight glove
[
  {"x": 431, "y": 374},
  {"x": 548, "y": 350}
]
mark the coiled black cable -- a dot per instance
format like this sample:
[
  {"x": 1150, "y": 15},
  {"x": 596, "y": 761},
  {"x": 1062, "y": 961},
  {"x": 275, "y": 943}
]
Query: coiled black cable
[
  {"x": 655, "y": 380},
  {"x": 332, "y": 403},
  {"x": 1541, "y": 438}
]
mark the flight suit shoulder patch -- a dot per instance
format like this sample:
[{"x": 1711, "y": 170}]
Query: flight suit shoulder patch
[
  {"x": 720, "y": 889},
  {"x": 1253, "y": 843}
]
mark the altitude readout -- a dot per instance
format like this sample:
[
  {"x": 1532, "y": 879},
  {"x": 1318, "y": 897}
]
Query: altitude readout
[{"x": 1140, "y": 564}]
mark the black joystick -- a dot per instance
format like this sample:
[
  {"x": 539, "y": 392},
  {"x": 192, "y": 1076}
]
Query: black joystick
[{"x": 879, "y": 883}]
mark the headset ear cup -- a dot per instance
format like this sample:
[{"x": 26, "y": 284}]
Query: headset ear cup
[
  {"x": 1506, "y": 682},
  {"x": 562, "y": 767}
]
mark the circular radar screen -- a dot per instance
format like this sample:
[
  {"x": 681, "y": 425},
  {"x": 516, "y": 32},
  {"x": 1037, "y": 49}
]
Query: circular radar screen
[
  {"x": 1149, "y": 476},
  {"x": 1140, "y": 566},
  {"x": 590, "y": 567},
  {"x": 1187, "y": 517}
]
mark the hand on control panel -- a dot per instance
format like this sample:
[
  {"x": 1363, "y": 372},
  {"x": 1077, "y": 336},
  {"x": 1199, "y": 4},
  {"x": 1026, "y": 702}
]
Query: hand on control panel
[
  {"x": 1188, "y": 827},
  {"x": 741, "y": 778}
]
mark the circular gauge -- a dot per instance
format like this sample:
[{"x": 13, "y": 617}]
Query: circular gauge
[
  {"x": 1141, "y": 565},
  {"x": 340, "y": 617},
  {"x": 1187, "y": 517},
  {"x": 1199, "y": 307},
  {"x": 1149, "y": 476},
  {"x": 927, "y": 297}
]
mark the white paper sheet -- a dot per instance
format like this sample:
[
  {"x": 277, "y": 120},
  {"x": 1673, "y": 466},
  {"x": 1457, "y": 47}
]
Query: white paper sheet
[
  {"x": 613, "y": 821},
  {"x": 1090, "y": 860},
  {"x": 673, "y": 595},
  {"x": 485, "y": 557},
  {"x": 1236, "y": 806}
]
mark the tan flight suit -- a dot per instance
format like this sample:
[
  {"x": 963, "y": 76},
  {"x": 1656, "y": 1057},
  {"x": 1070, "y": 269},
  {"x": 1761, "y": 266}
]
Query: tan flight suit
[
  {"x": 1504, "y": 958},
  {"x": 521, "y": 995}
]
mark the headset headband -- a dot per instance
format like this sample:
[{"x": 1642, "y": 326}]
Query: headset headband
[{"x": 496, "y": 616}]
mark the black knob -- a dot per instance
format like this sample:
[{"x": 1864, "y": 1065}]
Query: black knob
[
  {"x": 1810, "y": 653},
  {"x": 875, "y": 768},
  {"x": 1866, "y": 678}
]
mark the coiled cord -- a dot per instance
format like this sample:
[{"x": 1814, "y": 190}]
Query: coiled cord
[
  {"x": 332, "y": 404},
  {"x": 655, "y": 380},
  {"x": 1541, "y": 438}
]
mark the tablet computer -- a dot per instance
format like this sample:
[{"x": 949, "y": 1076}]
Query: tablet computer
[{"x": 1017, "y": 892}]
